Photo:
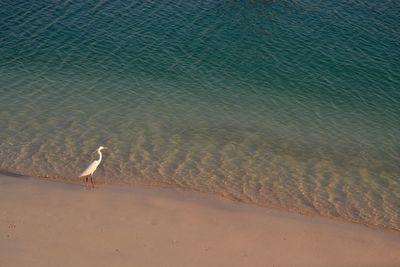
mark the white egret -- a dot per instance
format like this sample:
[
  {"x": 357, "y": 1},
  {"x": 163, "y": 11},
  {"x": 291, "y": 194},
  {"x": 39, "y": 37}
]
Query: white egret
[{"x": 88, "y": 172}]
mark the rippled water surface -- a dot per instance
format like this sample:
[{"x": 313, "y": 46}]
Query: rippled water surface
[{"x": 291, "y": 104}]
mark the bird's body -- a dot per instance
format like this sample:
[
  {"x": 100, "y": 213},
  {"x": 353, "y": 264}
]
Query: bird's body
[{"x": 91, "y": 168}]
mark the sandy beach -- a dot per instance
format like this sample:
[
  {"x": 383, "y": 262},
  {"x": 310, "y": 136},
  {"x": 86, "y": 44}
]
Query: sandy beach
[{"x": 45, "y": 223}]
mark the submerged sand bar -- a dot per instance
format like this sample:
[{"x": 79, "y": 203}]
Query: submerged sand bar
[{"x": 44, "y": 223}]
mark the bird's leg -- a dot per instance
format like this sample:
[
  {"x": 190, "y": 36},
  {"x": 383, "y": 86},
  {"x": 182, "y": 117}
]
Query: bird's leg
[
  {"x": 91, "y": 181},
  {"x": 86, "y": 181}
]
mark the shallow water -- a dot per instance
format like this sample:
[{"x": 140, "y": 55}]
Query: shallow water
[{"x": 279, "y": 103}]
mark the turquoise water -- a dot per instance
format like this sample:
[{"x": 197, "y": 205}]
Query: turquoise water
[{"x": 289, "y": 104}]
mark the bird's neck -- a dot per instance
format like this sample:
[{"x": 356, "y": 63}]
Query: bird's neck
[{"x": 100, "y": 155}]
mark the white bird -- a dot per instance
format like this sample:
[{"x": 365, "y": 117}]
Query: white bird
[{"x": 91, "y": 168}]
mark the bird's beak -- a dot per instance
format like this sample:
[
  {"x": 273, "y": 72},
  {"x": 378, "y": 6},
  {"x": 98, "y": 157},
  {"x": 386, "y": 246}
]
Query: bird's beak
[{"x": 105, "y": 147}]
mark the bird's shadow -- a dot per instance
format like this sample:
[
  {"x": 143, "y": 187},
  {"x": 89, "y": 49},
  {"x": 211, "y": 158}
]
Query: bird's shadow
[{"x": 12, "y": 174}]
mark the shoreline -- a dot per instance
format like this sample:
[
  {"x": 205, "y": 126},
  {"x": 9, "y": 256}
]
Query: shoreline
[
  {"x": 217, "y": 195},
  {"x": 48, "y": 223}
]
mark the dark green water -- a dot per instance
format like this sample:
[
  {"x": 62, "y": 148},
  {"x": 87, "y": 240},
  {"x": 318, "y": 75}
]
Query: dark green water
[{"x": 291, "y": 104}]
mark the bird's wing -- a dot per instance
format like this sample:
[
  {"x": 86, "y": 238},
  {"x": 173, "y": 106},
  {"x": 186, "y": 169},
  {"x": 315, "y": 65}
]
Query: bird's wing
[{"x": 90, "y": 168}]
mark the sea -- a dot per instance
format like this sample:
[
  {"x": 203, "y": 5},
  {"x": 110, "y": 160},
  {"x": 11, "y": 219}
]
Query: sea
[{"x": 285, "y": 104}]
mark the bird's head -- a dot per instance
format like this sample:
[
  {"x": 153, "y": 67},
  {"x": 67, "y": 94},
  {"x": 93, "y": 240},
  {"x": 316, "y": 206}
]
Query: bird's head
[{"x": 101, "y": 148}]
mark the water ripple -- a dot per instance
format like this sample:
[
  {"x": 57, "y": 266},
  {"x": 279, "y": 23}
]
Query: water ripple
[{"x": 279, "y": 103}]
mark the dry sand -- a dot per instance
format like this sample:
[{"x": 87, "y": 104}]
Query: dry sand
[{"x": 44, "y": 223}]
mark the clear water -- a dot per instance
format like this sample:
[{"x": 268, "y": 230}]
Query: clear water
[{"x": 291, "y": 104}]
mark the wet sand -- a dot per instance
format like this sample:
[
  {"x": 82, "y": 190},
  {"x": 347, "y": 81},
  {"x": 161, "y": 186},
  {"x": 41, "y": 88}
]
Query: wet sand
[{"x": 45, "y": 223}]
